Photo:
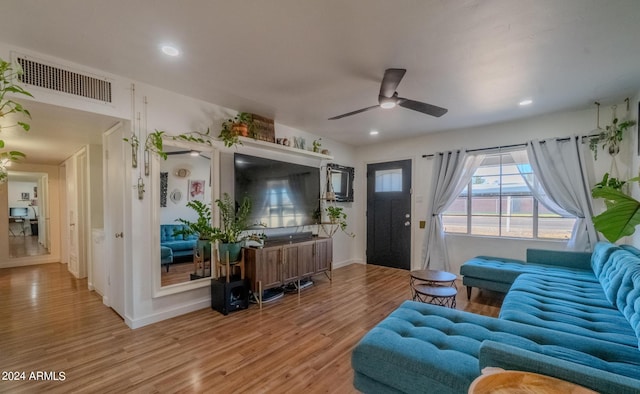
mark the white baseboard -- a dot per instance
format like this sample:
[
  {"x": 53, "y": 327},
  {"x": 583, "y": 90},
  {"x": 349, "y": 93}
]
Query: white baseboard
[
  {"x": 105, "y": 301},
  {"x": 32, "y": 260},
  {"x": 168, "y": 314},
  {"x": 347, "y": 262}
]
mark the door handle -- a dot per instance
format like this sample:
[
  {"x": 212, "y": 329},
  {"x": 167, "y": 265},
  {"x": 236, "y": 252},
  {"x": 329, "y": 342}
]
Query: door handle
[
  {"x": 407, "y": 223},
  {"x": 119, "y": 235}
]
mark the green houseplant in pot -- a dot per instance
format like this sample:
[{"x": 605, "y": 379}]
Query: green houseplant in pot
[
  {"x": 241, "y": 125},
  {"x": 201, "y": 227},
  {"x": 233, "y": 223}
]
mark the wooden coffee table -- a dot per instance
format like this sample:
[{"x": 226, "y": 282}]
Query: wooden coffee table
[{"x": 510, "y": 382}]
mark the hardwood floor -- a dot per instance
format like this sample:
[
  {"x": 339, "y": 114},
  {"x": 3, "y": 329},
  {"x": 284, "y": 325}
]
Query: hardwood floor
[
  {"x": 50, "y": 322},
  {"x": 22, "y": 246}
]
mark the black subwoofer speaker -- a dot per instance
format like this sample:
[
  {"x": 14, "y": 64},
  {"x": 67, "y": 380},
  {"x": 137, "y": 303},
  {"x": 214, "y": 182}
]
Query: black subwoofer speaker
[{"x": 229, "y": 297}]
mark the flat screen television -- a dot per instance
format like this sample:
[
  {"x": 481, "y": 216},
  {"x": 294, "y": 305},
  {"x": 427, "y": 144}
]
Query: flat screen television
[
  {"x": 19, "y": 212},
  {"x": 282, "y": 194}
]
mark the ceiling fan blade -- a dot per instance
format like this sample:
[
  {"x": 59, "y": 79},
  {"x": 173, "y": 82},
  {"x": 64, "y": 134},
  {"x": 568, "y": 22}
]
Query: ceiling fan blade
[
  {"x": 422, "y": 107},
  {"x": 354, "y": 112},
  {"x": 391, "y": 80}
]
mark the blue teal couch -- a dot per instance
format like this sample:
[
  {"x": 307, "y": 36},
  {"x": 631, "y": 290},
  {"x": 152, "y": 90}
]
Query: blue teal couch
[
  {"x": 180, "y": 245},
  {"x": 565, "y": 316}
]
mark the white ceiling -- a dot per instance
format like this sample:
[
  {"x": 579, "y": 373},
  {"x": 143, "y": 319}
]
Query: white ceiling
[{"x": 301, "y": 62}]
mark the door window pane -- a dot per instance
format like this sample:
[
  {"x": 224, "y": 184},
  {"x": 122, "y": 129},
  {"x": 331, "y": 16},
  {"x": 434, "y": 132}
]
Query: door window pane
[{"x": 389, "y": 180}]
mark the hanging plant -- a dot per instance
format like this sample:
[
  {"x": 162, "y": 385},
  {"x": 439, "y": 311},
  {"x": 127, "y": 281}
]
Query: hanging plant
[{"x": 611, "y": 137}]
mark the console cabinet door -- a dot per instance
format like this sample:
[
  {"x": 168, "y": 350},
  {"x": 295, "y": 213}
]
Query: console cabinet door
[
  {"x": 290, "y": 263},
  {"x": 270, "y": 267},
  {"x": 306, "y": 259},
  {"x": 323, "y": 254}
]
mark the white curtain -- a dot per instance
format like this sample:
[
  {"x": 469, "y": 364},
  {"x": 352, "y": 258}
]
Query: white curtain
[
  {"x": 560, "y": 169},
  {"x": 452, "y": 171}
]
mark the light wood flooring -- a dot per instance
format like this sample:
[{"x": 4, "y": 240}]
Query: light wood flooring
[
  {"x": 50, "y": 322},
  {"x": 22, "y": 246}
]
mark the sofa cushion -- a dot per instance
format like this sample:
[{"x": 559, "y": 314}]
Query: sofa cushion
[
  {"x": 167, "y": 232},
  {"x": 178, "y": 246},
  {"x": 507, "y": 270},
  {"x": 600, "y": 255},
  {"x": 628, "y": 298},
  {"x": 567, "y": 305},
  {"x": 427, "y": 348},
  {"x": 614, "y": 271}
]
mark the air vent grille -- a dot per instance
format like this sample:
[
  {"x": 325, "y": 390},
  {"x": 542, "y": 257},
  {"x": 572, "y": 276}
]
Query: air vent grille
[{"x": 61, "y": 80}]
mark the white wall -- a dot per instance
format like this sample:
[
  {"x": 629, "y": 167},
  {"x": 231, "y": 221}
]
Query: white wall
[{"x": 461, "y": 247}]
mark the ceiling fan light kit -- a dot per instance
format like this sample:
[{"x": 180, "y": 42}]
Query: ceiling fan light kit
[{"x": 388, "y": 97}]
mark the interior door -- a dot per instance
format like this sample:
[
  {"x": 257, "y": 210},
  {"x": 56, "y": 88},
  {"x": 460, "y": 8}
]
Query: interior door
[
  {"x": 114, "y": 204},
  {"x": 389, "y": 214},
  {"x": 72, "y": 216}
]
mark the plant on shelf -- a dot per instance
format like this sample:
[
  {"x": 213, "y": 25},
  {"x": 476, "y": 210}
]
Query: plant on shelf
[
  {"x": 622, "y": 213},
  {"x": 611, "y": 137},
  {"x": 241, "y": 125},
  {"x": 338, "y": 217},
  {"x": 9, "y": 73},
  {"x": 316, "y": 145},
  {"x": 233, "y": 223}
]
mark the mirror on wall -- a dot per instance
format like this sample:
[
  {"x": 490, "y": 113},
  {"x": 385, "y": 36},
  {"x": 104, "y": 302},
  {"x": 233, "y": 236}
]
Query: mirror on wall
[
  {"x": 184, "y": 177},
  {"x": 340, "y": 182},
  {"x": 28, "y": 212}
]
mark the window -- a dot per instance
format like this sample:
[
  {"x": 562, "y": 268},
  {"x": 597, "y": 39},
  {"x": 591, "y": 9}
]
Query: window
[
  {"x": 389, "y": 180},
  {"x": 498, "y": 202}
]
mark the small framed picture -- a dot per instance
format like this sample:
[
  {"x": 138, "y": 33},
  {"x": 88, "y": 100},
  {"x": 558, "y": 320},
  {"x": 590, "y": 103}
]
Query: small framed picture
[
  {"x": 25, "y": 196},
  {"x": 196, "y": 190}
]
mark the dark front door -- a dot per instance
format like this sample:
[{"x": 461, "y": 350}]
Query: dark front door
[{"x": 389, "y": 214}]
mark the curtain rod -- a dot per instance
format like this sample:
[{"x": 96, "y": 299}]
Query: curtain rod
[{"x": 511, "y": 146}]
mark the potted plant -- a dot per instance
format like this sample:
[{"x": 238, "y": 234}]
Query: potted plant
[
  {"x": 241, "y": 125},
  {"x": 316, "y": 145},
  {"x": 201, "y": 228},
  {"x": 610, "y": 137},
  {"x": 233, "y": 224},
  {"x": 338, "y": 217},
  {"x": 8, "y": 75},
  {"x": 622, "y": 213}
]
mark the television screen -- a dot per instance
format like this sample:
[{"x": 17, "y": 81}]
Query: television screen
[
  {"x": 20, "y": 212},
  {"x": 282, "y": 194}
]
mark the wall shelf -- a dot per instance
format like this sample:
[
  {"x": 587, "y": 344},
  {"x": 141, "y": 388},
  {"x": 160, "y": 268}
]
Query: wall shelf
[{"x": 281, "y": 148}]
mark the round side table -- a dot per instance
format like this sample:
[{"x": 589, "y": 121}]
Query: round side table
[
  {"x": 436, "y": 295},
  {"x": 430, "y": 278}
]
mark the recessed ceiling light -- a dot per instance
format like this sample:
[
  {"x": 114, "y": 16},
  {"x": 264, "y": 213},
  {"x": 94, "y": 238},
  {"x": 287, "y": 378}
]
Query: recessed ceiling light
[
  {"x": 525, "y": 102},
  {"x": 373, "y": 132},
  {"x": 170, "y": 50}
]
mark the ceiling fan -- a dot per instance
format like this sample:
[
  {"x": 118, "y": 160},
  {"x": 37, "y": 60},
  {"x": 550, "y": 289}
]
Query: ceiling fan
[{"x": 388, "y": 97}]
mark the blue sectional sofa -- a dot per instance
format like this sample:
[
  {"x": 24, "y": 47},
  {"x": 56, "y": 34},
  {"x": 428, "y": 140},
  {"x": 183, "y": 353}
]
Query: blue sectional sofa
[
  {"x": 180, "y": 245},
  {"x": 573, "y": 316}
]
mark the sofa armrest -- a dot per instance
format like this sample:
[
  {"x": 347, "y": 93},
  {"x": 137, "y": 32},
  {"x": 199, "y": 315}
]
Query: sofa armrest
[
  {"x": 579, "y": 260},
  {"x": 494, "y": 354}
]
